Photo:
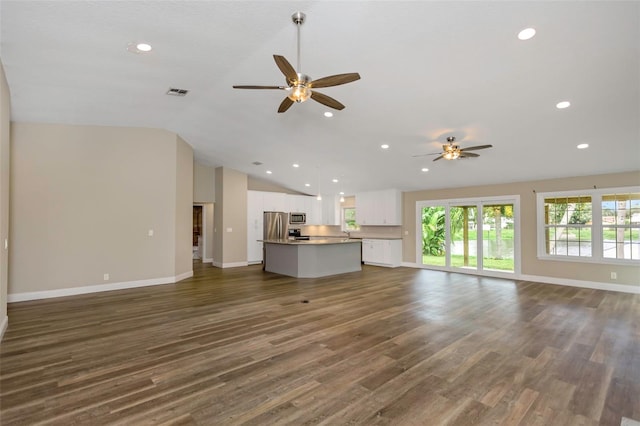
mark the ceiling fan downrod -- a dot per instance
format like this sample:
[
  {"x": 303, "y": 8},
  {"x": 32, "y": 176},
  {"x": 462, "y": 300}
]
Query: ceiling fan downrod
[{"x": 298, "y": 19}]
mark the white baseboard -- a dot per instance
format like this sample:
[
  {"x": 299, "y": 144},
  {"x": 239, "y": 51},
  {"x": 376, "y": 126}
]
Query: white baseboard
[
  {"x": 183, "y": 276},
  {"x": 73, "y": 291},
  {"x": 3, "y": 326},
  {"x": 623, "y": 288},
  {"x": 229, "y": 264},
  {"x": 207, "y": 260}
]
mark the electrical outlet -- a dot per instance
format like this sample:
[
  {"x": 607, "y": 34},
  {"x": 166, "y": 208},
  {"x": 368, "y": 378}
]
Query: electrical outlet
[
  {"x": 106, "y": 277},
  {"x": 150, "y": 233},
  {"x": 614, "y": 276}
]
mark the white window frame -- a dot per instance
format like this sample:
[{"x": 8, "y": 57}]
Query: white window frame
[
  {"x": 597, "y": 255},
  {"x": 343, "y": 222}
]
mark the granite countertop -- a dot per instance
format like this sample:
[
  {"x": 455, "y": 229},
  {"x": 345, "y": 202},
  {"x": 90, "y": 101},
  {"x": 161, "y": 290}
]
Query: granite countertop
[{"x": 315, "y": 241}]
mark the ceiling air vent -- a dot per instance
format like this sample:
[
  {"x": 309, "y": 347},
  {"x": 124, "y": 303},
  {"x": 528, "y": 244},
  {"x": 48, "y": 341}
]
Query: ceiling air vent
[
  {"x": 177, "y": 92},
  {"x": 256, "y": 163}
]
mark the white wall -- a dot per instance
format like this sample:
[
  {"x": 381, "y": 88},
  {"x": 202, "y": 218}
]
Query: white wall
[
  {"x": 5, "y": 112},
  {"x": 84, "y": 199}
]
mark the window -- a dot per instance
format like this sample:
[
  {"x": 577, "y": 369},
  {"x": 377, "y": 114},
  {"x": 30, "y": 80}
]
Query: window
[
  {"x": 349, "y": 219},
  {"x": 599, "y": 225},
  {"x": 568, "y": 224},
  {"x": 621, "y": 226}
]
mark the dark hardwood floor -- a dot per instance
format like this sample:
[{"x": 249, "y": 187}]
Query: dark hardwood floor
[{"x": 381, "y": 346}]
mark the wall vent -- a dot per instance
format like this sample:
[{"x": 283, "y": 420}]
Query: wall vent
[
  {"x": 177, "y": 92},
  {"x": 256, "y": 163}
]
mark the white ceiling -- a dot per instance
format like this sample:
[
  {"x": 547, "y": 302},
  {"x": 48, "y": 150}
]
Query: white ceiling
[{"x": 429, "y": 70}]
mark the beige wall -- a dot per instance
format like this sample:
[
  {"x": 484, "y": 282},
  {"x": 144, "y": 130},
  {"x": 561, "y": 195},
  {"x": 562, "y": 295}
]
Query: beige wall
[
  {"x": 5, "y": 113},
  {"x": 208, "y": 210},
  {"x": 84, "y": 199},
  {"x": 255, "y": 184},
  {"x": 531, "y": 265},
  {"x": 204, "y": 183},
  {"x": 230, "y": 219},
  {"x": 204, "y": 193},
  {"x": 184, "y": 208}
]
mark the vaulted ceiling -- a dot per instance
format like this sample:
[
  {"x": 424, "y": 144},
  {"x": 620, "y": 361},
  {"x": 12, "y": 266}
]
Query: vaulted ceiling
[{"x": 429, "y": 70}]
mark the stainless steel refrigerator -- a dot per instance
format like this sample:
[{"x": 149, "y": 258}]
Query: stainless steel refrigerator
[{"x": 274, "y": 227}]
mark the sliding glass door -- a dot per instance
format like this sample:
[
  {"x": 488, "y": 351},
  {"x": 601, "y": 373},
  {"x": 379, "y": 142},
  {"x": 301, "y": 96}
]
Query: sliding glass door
[
  {"x": 433, "y": 235},
  {"x": 471, "y": 235},
  {"x": 497, "y": 236},
  {"x": 464, "y": 236}
]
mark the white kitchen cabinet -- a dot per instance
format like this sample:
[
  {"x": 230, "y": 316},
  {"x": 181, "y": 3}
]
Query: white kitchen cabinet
[
  {"x": 314, "y": 211},
  {"x": 273, "y": 201},
  {"x": 330, "y": 210},
  {"x": 297, "y": 203},
  {"x": 376, "y": 208},
  {"x": 382, "y": 252},
  {"x": 255, "y": 201}
]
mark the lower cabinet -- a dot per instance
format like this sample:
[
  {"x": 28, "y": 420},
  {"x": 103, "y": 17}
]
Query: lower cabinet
[{"x": 382, "y": 252}]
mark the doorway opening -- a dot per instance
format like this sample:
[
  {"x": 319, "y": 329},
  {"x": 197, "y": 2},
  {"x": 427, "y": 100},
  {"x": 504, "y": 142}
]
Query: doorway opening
[{"x": 197, "y": 233}]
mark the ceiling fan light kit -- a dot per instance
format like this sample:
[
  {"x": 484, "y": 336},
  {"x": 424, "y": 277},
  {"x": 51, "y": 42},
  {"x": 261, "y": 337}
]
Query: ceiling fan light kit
[{"x": 300, "y": 85}]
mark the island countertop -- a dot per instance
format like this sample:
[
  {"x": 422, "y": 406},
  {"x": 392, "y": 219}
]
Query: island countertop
[{"x": 315, "y": 241}]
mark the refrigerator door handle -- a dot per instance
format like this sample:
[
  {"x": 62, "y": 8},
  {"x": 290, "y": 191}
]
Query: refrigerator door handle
[{"x": 279, "y": 225}]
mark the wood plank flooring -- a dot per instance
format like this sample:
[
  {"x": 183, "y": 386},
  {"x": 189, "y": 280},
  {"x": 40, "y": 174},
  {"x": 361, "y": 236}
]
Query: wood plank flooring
[{"x": 377, "y": 347}]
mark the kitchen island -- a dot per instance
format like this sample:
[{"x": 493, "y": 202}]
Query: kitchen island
[{"x": 313, "y": 258}]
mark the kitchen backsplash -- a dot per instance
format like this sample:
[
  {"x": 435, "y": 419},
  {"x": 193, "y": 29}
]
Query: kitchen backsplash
[{"x": 364, "y": 232}]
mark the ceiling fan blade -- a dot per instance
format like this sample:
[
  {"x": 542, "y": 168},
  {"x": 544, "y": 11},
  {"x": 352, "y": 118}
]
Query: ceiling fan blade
[
  {"x": 437, "y": 158},
  {"x": 425, "y": 155},
  {"x": 471, "y": 148},
  {"x": 464, "y": 154},
  {"x": 335, "y": 80},
  {"x": 326, "y": 100},
  {"x": 286, "y": 68},
  {"x": 260, "y": 87},
  {"x": 285, "y": 105}
]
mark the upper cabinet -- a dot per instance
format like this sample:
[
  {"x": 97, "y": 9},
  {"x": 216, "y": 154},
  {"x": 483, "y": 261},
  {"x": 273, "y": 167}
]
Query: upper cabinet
[
  {"x": 319, "y": 212},
  {"x": 379, "y": 208},
  {"x": 330, "y": 210},
  {"x": 274, "y": 201}
]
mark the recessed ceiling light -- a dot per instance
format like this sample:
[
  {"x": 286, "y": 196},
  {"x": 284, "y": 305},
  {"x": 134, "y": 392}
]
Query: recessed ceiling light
[
  {"x": 341, "y": 193},
  {"x": 583, "y": 146},
  {"x": 296, "y": 165},
  {"x": 144, "y": 47},
  {"x": 328, "y": 114},
  {"x": 384, "y": 146},
  {"x": 424, "y": 169},
  {"x": 563, "y": 104},
  {"x": 269, "y": 172},
  {"x": 307, "y": 184},
  {"x": 334, "y": 180},
  {"x": 526, "y": 34},
  {"x": 139, "y": 47}
]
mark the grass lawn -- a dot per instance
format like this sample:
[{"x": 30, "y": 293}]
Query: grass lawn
[{"x": 458, "y": 261}]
